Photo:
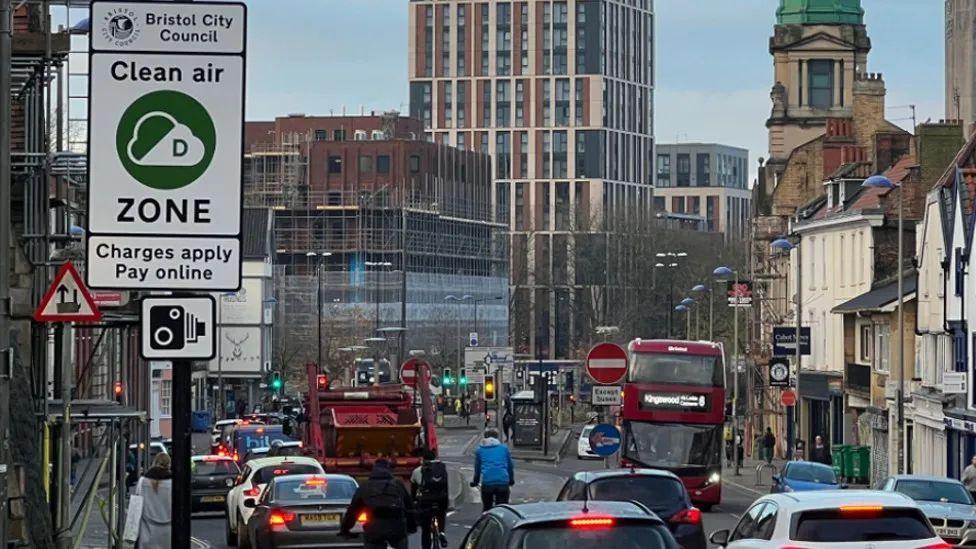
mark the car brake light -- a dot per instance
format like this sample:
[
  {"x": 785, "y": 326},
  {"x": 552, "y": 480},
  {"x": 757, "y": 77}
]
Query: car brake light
[
  {"x": 942, "y": 545},
  {"x": 590, "y": 523},
  {"x": 315, "y": 481},
  {"x": 860, "y": 509},
  {"x": 279, "y": 517},
  {"x": 252, "y": 492},
  {"x": 363, "y": 518},
  {"x": 692, "y": 515}
]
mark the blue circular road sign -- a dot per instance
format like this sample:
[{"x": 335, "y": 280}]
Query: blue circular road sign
[{"x": 605, "y": 440}]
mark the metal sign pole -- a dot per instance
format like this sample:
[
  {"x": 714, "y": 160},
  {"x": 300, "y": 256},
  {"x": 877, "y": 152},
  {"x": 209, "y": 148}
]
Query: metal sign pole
[{"x": 182, "y": 374}]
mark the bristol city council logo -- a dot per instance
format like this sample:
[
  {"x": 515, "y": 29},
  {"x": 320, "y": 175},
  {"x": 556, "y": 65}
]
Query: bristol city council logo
[{"x": 121, "y": 27}]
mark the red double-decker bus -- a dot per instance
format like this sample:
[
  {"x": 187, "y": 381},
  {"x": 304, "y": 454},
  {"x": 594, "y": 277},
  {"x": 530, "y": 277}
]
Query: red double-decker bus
[{"x": 674, "y": 412}]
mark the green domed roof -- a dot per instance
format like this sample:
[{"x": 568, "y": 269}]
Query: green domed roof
[{"x": 820, "y": 12}]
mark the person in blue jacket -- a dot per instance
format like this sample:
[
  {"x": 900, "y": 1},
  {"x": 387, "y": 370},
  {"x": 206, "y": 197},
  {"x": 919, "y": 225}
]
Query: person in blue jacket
[{"x": 493, "y": 469}]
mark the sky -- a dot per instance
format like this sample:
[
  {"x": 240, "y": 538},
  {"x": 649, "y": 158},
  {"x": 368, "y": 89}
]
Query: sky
[{"x": 714, "y": 71}]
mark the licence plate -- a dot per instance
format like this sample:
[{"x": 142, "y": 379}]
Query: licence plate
[
  {"x": 211, "y": 499},
  {"x": 948, "y": 532},
  {"x": 321, "y": 520}
]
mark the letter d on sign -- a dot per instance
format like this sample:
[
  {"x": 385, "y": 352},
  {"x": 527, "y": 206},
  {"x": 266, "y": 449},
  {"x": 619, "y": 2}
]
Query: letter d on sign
[{"x": 179, "y": 147}]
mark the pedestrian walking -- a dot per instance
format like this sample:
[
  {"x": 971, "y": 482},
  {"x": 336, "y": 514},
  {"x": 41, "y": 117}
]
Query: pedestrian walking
[
  {"x": 388, "y": 508},
  {"x": 768, "y": 445},
  {"x": 429, "y": 488},
  {"x": 508, "y": 422},
  {"x": 494, "y": 470},
  {"x": 820, "y": 452},
  {"x": 969, "y": 476},
  {"x": 156, "y": 489}
]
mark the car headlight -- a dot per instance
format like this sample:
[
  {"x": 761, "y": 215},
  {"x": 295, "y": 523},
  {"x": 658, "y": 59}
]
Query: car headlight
[
  {"x": 229, "y": 482},
  {"x": 714, "y": 478}
]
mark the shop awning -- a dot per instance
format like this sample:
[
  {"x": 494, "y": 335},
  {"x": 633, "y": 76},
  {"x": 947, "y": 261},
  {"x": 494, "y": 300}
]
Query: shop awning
[{"x": 884, "y": 298}]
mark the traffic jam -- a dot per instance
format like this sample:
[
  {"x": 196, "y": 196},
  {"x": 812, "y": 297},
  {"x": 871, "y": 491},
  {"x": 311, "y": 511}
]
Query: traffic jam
[{"x": 355, "y": 466}]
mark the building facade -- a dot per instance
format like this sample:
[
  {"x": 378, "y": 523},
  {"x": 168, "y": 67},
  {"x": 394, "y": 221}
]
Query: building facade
[
  {"x": 374, "y": 228},
  {"x": 960, "y": 57},
  {"x": 560, "y": 94},
  {"x": 708, "y": 180}
]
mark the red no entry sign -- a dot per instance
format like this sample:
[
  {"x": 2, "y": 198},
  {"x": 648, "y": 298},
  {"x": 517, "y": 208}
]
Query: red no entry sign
[
  {"x": 606, "y": 363},
  {"x": 788, "y": 398},
  {"x": 409, "y": 369}
]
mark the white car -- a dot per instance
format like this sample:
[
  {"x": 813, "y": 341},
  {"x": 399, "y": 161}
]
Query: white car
[
  {"x": 834, "y": 519},
  {"x": 254, "y": 477},
  {"x": 583, "y": 449},
  {"x": 217, "y": 434}
]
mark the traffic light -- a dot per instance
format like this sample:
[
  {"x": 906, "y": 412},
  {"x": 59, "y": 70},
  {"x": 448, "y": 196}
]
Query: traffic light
[
  {"x": 118, "y": 390},
  {"x": 447, "y": 377},
  {"x": 322, "y": 381},
  {"x": 463, "y": 377},
  {"x": 490, "y": 387},
  {"x": 276, "y": 382}
]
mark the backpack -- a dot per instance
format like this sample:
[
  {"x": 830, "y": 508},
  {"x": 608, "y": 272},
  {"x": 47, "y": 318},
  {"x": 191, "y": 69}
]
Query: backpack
[
  {"x": 433, "y": 480},
  {"x": 385, "y": 500}
]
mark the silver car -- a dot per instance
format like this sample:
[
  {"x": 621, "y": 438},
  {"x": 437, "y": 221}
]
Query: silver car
[{"x": 945, "y": 501}]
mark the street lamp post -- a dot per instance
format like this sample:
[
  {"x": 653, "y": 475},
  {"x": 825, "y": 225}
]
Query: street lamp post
[
  {"x": 793, "y": 412},
  {"x": 725, "y": 273},
  {"x": 459, "y": 300},
  {"x": 880, "y": 181},
  {"x": 669, "y": 260},
  {"x": 318, "y": 299},
  {"x": 482, "y": 300},
  {"x": 698, "y": 289},
  {"x": 688, "y": 303}
]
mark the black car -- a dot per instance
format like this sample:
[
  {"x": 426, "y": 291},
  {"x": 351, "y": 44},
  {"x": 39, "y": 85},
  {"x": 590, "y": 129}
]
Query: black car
[
  {"x": 661, "y": 491},
  {"x": 211, "y": 477},
  {"x": 570, "y": 524},
  {"x": 302, "y": 511}
]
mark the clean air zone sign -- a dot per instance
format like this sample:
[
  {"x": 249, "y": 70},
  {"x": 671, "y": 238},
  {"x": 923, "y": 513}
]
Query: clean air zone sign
[{"x": 165, "y": 138}]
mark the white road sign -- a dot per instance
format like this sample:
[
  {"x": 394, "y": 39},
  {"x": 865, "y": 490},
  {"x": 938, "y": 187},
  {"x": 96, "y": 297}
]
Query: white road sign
[
  {"x": 165, "y": 142},
  {"x": 606, "y": 395},
  {"x": 178, "y": 328}
]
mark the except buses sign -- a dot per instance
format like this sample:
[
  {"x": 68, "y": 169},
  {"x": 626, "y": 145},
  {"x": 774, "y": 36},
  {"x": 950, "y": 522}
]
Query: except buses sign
[{"x": 165, "y": 145}]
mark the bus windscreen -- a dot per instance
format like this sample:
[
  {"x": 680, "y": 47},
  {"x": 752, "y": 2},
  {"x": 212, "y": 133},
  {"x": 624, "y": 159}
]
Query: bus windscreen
[{"x": 679, "y": 369}]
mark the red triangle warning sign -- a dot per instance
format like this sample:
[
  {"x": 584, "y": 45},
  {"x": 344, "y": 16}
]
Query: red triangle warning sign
[{"x": 67, "y": 299}]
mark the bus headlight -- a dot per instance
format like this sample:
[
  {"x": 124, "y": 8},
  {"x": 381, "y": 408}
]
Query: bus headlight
[{"x": 714, "y": 478}]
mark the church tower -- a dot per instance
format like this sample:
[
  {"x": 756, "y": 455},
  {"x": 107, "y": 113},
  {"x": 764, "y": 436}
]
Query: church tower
[{"x": 818, "y": 47}]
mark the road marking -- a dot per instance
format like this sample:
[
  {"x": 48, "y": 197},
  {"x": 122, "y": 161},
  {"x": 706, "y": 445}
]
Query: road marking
[{"x": 744, "y": 488}]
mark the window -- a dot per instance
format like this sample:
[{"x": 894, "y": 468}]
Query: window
[
  {"x": 428, "y": 40},
  {"x": 559, "y": 164},
  {"x": 365, "y": 164},
  {"x": 503, "y": 104},
  {"x": 523, "y": 154},
  {"x": 866, "y": 343},
  {"x": 321, "y": 135},
  {"x": 446, "y": 42},
  {"x": 460, "y": 103},
  {"x": 524, "y": 50},
  {"x": 820, "y": 76},
  {"x": 503, "y": 39},
  {"x": 486, "y": 103},
  {"x": 766, "y": 522},
  {"x": 335, "y": 164},
  {"x": 546, "y": 38},
  {"x": 415, "y": 162},
  {"x": 448, "y": 105},
  {"x": 520, "y": 102},
  {"x": 959, "y": 350},
  {"x": 546, "y": 102},
  {"x": 503, "y": 155},
  {"x": 383, "y": 164},
  {"x": 560, "y": 38},
  {"x": 579, "y": 102},
  {"x": 339, "y": 135},
  {"x": 562, "y": 102},
  {"x": 546, "y": 149},
  {"x": 461, "y": 69},
  {"x": 484, "y": 39},
  {"x": 166, "y": 397},
  {"x": 882, "y": 348},
  {"x": 664, "y": 170},
  {"x": 520, "y": 206},
  {"x": 684, "y": 170},
  {"x": 747, "y": 524},
  {"x": 703, "y": 169}
]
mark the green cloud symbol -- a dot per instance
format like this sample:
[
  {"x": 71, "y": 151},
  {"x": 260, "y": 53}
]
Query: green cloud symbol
[{"x": 160, "y": 140}]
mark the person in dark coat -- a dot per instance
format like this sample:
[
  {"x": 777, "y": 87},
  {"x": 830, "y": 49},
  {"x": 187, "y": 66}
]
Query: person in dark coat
[
  {"x": 389, "y": 510},
  {"x": 820, "y": 453},
  {"x": 768, "y": 445}
]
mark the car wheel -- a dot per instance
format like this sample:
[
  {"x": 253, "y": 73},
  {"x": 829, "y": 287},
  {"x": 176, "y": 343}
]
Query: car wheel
[
  {"x": 242, "y": 541},
  {"x": 230, "y": 537}
]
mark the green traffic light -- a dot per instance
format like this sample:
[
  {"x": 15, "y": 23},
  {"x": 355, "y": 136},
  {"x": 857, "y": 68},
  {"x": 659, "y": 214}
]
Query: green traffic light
[{"x": 464, "y": 381}]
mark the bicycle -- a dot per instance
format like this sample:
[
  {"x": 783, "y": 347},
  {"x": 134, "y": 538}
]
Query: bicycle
[{"x": 431, "y": 511}]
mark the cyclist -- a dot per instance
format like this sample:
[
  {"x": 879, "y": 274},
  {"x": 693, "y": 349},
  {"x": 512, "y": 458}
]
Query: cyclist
[
  {"x": 493, "y": 469},
  {"x": 428, "y": 485}
]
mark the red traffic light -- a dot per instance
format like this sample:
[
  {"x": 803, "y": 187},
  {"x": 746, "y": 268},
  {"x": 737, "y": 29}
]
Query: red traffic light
[
  {"x": 322, "y": 380},
  {"x": 117, "y": 389}
]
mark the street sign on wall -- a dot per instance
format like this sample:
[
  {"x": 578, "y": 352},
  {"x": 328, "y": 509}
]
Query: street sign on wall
[
  {"x": 739, "y": 293},
  {"x": 606, "y": 363},
  {"x": 784, "y": 340},
  {"x": 165, "y": 137},
  {"x": 606, "y": 395},
  {"x": 779, "y": 372}
]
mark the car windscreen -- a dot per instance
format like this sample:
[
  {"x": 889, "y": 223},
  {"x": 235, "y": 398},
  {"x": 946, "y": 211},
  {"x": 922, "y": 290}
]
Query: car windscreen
[
  {"x": 265, "y": 474},
  {"x": 624, "y": 536},
  {"x": 312, "y": 489},
  {"x": 665, "y": 496},
  {"x": 806, "y": 472},
  {"x": 932, "y": 490},
  {"x": 676, "y": 368},
  {"x": 861, "y": 525},
  {"x": 673, "y": 445},
  {"x": 206, "y": 468}
]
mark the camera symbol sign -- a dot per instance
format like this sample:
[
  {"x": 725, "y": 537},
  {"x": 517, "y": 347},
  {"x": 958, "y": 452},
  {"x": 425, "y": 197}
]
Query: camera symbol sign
[{"x": 178, "y": 328}]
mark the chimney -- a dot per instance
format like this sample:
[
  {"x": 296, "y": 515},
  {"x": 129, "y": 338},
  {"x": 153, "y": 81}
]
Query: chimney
[{"x": 938, "y": 144}]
